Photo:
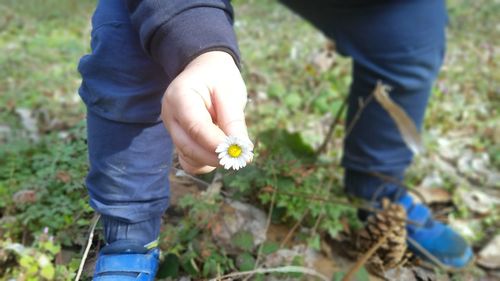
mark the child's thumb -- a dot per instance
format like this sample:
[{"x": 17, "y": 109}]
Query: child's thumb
[{"x": 231, "y": 119}]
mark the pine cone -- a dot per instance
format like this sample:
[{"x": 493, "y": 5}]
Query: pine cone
[{"x": 390, "y": 221}]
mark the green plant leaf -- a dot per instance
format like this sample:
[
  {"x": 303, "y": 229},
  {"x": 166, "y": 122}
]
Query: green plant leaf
[
  {"x": 169, "y": 267},
  {"x": 361, "y": 275},
  {"x": 189, "y": 267},
  {"x": 243, "y": 240},
  {"x": 190, "y": 234},
  {"x": 26, "y": 261},
  {"x": 188, "y": 263},
  {"x": 245, "y": 261},
  {"x": 314, "y": 242},
  {"x": 259, "y": 277},
  {"x": 209, "y": 267},
  {"x": 337, "y": 276},
  {"x": 48, "y": 272},
  {"x": 269, "y": 247},
  {"x": 53, "y": 249},
  {"x": 276, "y": 90},
  {"x": 298, "y": 145},
  {"x": 293, "y": 100},
  {"x": 285, "y": 142}
]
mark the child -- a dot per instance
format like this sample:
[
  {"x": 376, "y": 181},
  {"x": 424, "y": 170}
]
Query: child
[{"x": 174, "y": 64}]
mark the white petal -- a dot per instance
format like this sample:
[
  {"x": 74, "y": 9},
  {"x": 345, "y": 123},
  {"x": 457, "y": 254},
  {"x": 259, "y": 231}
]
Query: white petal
[
  {"x": 224, "y": 161},
  {"x": 222, "y": 147},
  {"x": 247, "y": 157},
  {"x": 234, "y": 163}
]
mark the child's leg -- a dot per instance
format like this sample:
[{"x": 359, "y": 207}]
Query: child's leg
[
  {"x": 129, "y": 148},
  {"x": 400, "y": 43},
  {"x": 128, "y": 178}
]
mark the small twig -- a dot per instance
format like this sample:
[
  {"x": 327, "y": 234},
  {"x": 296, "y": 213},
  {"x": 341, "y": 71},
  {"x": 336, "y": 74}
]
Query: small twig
[
  {"x": 361, "y": 108},
  {"x": 433, "y": 258},
  {"x": 89, "y": 244},
  {"x": 322, "y": 214},
  {"x": 182, "y": 173},
  {"x": 214, "y": 189},
  {"x": 284, "y": 269},
  {"x": 350, "y": 274},
  {"x": 268, "y": 223},
  {"x": 316, "y": 224},
  {"x": 400, "y": 184},
  {"x": 25, "y": 235},
  {"x": 340, "y": 202},
  {"x": 331, "y": 129},
  {"x": 293, "y": 229}
]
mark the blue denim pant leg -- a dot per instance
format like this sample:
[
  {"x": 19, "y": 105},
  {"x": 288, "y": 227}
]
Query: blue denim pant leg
[
  {"x": 400, "y": 43},
  {"x": 129, "y": 148}
]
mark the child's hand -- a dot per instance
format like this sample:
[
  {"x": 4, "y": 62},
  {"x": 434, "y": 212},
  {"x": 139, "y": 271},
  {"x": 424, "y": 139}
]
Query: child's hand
[{"x": 203, "y": 105}]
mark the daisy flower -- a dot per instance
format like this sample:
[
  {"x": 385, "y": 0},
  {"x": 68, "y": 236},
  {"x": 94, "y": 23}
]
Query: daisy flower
[{"x": 234, "y": 153}]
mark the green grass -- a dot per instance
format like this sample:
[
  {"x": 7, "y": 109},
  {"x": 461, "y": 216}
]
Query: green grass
[{"x": 41, "y": 42}]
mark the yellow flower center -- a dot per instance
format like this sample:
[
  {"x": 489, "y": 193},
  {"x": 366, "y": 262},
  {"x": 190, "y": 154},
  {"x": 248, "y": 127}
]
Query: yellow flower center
[{"x": 234, "y": 150}]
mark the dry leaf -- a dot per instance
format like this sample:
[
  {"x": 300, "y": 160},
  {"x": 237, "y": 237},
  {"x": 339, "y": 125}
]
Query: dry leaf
[
  {"x": 433, "y": 179},
  {"x": 477, "y": 201},
  {"x": 287, "y": 256},
  {"x": 24, "y": 196},
  {"x": 400, "y": 273},
  {"x": 469, "y": 228},
  {"x": 29, "y": 122},
  {"x": 324, "y": 59},
  {"x": 405, "y": 125},
  {"x": 63, "y": 176},
  {"x": 489, "y": 256},
  {"x": 433, "y": 195}
]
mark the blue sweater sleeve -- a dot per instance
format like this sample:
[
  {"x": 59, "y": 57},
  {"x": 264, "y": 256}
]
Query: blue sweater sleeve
[{"x": 174, "y": 32}]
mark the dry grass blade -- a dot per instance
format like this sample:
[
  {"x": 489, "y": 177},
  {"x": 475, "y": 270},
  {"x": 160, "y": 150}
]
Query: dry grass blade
[
  {"x": 268, "y": 223},
  {"x": 363, "y": 206},
  {"x": 365, "y": 257},
  {"x": 89, "y": 244},
  {"x": 434, "y": 261},
  {"x": 405, "y": 124},
  {"x": 293, "y": 229},
  {"x": 284, "y": 269},
  {"x": 331, "y": 129}
]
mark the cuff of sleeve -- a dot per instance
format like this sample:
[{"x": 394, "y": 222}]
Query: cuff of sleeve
[{"x": 191, "y": 33}]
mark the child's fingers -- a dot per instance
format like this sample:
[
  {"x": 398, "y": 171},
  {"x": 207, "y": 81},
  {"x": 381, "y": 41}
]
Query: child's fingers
[
  {"x": 189, "y": 109},
  {"x": 229, "y": 102},
  {"x": 194, "y": 169},
  {"x": 189, "y": 149},
  {"x": 232, "y": 122}
]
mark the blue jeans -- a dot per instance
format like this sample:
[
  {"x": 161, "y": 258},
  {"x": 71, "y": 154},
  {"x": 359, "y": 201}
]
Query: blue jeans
[{"x": 401, "y": 43}]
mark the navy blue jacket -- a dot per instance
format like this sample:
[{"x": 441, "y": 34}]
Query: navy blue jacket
[{"x": 176, "y": 31}]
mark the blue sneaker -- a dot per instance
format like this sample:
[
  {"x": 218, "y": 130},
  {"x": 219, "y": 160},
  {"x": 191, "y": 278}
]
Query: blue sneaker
[
  {"x": 126, "y": 261},
  {"x": 444, "y": 244}
]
